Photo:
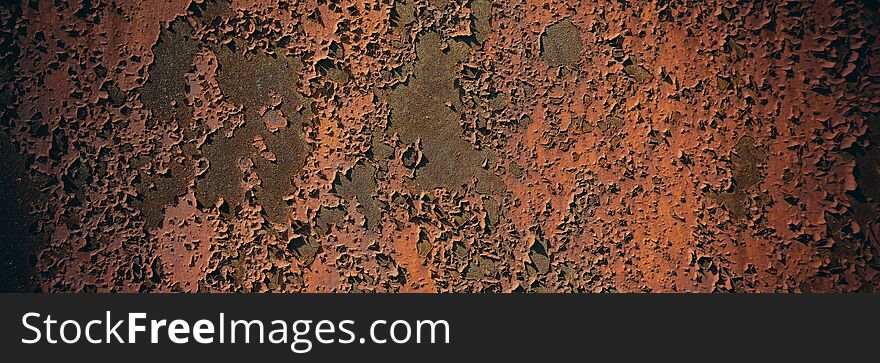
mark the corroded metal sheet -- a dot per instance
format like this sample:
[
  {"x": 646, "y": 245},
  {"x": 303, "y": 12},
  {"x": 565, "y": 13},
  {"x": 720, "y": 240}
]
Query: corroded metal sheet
[{"x": 440, "y": 145}]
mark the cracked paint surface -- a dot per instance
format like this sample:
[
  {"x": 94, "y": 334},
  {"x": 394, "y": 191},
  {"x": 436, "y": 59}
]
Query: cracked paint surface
[{"x": 440, "y": 146}]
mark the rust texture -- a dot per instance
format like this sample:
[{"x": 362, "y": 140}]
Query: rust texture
[{"x": 440, "y": 145}]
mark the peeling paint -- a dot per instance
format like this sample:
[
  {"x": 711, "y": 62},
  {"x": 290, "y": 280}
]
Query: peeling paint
[{"x": 440, "y": 146}]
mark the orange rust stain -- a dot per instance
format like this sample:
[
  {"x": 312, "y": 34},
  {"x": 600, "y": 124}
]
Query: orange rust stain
[{"x": 439, "y": 146}]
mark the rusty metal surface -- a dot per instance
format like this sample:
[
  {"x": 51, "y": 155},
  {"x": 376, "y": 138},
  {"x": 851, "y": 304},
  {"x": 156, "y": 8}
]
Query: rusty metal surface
[{"x": 434, "y": 146}]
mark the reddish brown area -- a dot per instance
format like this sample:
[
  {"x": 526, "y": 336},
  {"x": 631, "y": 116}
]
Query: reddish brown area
[{"x": 440, "y": 145}]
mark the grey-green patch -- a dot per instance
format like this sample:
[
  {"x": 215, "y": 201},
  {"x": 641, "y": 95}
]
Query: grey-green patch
[
  {"x": 423, "y": 246},
  {"x": 540, "y": 258},
  {"x": 561, "y": 44},
  {"x": 19, "y": 244},
  {"x": 493, "y": 210},
  {"x": 745, "y": 158},
  {"x": 223, "y": 177},
  {"x": 251, "y": 80},
  {"x": 610, "y": 124},
  {"x": 164, "y": 94},
  {"x": 865, "y": 200},
  {"x": 482, "y": 14},
  {"x": 639, "y": 73},
  {"x": 305, "y": 248},
  {"x": 327, "y": 218},
  {"x": 420, "y": 111}
]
